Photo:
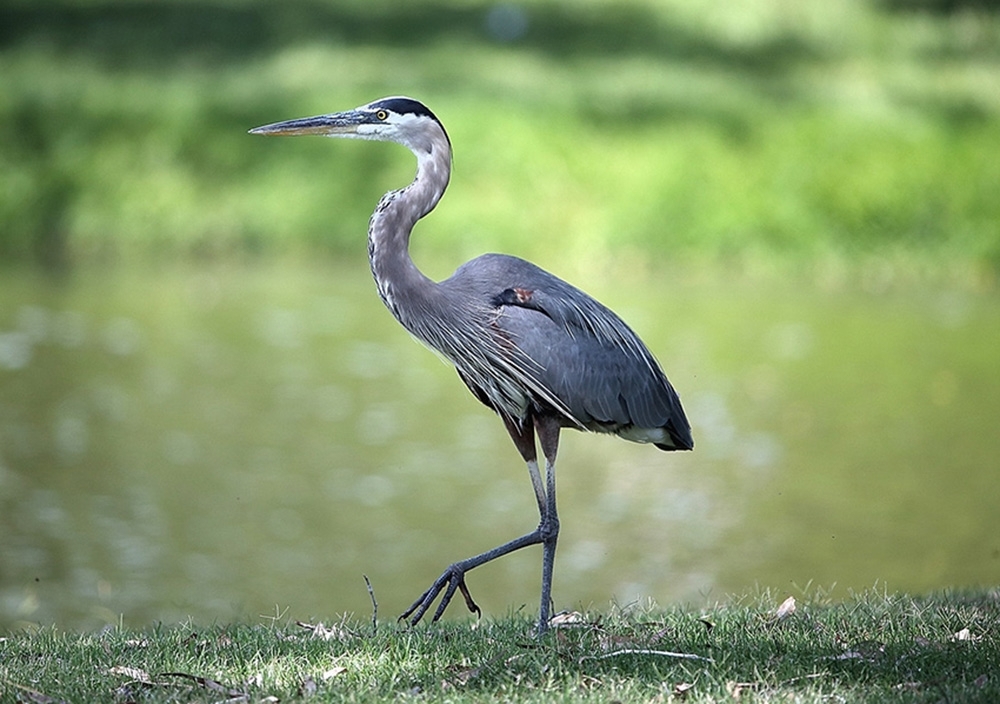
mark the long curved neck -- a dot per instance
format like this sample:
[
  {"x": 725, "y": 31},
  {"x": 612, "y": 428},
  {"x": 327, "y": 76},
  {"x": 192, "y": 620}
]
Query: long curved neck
[{"x": 401, "y": 285}]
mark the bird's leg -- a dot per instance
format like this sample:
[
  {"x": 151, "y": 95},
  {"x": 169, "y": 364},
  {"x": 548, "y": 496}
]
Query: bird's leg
[
  {"x": 523, "y": 435},
  {"x": 547, "y": 428},
  {"x": 453, "y": 578}
]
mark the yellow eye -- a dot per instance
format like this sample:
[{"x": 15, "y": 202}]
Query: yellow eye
[{"x": 382, "y": 114}]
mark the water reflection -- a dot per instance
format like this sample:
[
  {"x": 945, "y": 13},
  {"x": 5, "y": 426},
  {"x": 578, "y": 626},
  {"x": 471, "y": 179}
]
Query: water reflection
[{"x": 214, "y": 443}]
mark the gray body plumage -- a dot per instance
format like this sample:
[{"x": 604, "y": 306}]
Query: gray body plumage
[
  {"x": 538, "y": 351},
  {"x": 563, "y": 353}
]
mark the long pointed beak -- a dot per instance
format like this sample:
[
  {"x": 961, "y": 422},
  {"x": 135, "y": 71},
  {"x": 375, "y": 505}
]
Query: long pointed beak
[{"x": 340, "y": 123}]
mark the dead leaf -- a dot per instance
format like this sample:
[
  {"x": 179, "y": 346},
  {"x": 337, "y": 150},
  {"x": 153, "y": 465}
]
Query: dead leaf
[
  {"x": 133, "y": 673},
  {"x": 867, "y": 650},
  {"x": 736, "y": 689},
  {"x": 786, "y": 609},
  {"x": 333, "y": 672},
  {"x": 611, "y": 641},
  {"x": 847, "y": 655},
  {"x": 319, "y": 630},
  {"x": 190, "y": 638},
  {"x": 588, "y": 683},
  {"x": 461, "y": 673},
  {"x": 661, "y": 634},
  {"x": 567, "y": 618},
  {"x": 681, "y": 689}
]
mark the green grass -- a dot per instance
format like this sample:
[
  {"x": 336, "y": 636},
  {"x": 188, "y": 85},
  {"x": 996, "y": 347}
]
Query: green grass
[
  {"x": 875, "y": 647},
  {"x": 804, "y": 131}
]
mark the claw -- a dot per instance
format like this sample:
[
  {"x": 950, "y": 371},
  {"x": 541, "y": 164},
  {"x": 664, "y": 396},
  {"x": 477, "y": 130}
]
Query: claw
[{"x": 469, "y": 603}]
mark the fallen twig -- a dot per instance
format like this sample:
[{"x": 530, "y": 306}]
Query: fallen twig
[
  {"x": 371, "y": 593},
  {"x": 320, "y": 630},
  {"x": 638, "y": 651}
]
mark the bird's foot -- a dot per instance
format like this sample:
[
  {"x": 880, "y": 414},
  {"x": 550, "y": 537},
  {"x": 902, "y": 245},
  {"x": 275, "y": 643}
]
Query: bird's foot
[{"x": 451, "y": 579}]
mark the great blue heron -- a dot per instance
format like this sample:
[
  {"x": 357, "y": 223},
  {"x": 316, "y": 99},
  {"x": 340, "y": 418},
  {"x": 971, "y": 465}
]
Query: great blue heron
[{"x": 538, "y": 351}]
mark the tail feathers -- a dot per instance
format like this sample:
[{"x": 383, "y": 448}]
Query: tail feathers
[{"x": 679, "y": 439}]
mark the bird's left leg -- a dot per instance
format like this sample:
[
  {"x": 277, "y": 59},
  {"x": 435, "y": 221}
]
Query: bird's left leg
[{"x": 522, "y": 432}]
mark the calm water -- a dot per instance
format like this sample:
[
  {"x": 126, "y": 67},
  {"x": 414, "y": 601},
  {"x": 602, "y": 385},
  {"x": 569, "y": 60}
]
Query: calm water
[{"x": 237, "y": 441}]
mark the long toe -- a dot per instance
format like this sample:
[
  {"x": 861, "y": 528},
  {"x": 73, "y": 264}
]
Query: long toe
[
  {"x": 456, "y": 580},
  {"x": 419, "y": 607},
  {"x": 450, "y": 581},
  {"x": 469, "y": 603}
]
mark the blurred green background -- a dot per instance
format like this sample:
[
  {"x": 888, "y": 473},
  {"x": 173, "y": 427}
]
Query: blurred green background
[
  {"x": 674, "y": 129},
  {"x": 206, "y": 412}
]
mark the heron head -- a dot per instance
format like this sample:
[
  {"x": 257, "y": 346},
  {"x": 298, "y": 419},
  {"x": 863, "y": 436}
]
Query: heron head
[{"x": 402, "y": 120}]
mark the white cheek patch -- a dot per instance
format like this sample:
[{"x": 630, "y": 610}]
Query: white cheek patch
[{"x": 366, "y": 131}]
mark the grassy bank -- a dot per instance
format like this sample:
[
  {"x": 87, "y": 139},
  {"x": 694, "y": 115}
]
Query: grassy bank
[
  {"x": 876, "y": 647},
  {"x": 670, "y": 129}
]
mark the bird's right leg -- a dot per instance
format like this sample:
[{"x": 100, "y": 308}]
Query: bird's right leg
[
  {"x": 453, "y": 578},
  {"x": 548, "y": 527}
]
